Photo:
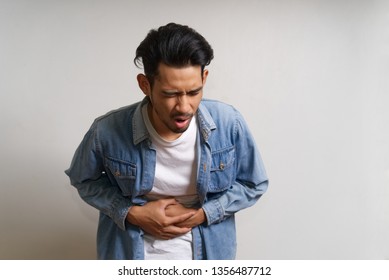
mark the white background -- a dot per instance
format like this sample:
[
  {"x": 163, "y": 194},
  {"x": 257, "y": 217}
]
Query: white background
[{"x": 310, "y": 77}]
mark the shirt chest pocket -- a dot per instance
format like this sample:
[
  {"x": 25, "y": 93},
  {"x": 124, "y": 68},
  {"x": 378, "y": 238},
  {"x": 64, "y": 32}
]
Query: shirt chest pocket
[
  {"x": 222, "y": 170},
  {"x": 122, "y": 173}
]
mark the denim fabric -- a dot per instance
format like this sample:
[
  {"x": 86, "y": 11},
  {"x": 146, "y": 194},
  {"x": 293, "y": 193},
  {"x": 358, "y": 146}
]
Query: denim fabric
[{"x": 113, "y": 168}]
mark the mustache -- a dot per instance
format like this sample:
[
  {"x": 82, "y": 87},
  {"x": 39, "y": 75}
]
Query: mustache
[{"x": 181, "y": 116}]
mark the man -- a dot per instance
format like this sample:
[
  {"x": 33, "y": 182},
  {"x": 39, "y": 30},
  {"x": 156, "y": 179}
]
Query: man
[{"x": 168, "y": 173}]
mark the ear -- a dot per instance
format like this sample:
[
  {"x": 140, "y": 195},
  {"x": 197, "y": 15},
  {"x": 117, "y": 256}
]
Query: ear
[
  {"x": 144, "y": 84},
  {"x": 205, "y": 75}
]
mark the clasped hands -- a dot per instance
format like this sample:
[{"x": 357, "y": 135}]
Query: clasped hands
[{"x": 165, "y": 218}]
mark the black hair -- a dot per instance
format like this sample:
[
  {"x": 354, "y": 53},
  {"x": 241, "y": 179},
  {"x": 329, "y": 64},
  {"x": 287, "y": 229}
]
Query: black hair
[{"x": 174, "y": 45}]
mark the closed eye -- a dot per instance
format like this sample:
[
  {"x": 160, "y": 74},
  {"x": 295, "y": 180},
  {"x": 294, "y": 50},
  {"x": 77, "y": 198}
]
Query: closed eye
[
  {"x": 170, "y": 94},
  {"x": 195, "y": 91}
]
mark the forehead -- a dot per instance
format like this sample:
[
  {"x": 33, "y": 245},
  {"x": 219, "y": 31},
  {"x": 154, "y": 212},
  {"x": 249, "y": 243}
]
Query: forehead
[{"x": 178, "y": 76}]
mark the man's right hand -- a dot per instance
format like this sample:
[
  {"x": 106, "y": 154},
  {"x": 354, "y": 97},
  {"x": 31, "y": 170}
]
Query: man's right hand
[{"x": 152, "y": 218}]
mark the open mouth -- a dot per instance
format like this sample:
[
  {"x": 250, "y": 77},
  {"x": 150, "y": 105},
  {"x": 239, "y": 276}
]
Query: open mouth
[{"x": 182, "y": 122}]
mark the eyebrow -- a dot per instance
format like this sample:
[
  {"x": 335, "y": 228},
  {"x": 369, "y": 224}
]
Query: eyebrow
[{"x": 172, "y": 91}]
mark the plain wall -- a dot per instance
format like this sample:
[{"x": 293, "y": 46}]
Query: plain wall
[{"x": 310, "y": 77}]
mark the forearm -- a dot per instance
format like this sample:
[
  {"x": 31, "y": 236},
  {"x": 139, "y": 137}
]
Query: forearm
[
  {"x": 236, "y": 198},
  {"x": 248, "y": 183},
  {"x": 105, "y": 197}
]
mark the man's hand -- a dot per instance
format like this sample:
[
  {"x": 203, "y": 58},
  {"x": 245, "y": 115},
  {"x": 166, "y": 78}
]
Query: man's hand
[
  {"x": 153, "y": 219},
  {"x": 195, "y": 220}
]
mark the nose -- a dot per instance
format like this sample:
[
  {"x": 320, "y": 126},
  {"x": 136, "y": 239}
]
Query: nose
[{"x": 183, "y": 104}]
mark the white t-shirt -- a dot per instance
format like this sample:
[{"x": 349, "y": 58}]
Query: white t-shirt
[{"x": 175, "y": 176}]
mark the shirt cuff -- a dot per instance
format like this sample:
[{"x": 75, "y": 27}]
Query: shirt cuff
[
  {"x": 120, "y": 210},
  {"x": 213, "y": 211}
]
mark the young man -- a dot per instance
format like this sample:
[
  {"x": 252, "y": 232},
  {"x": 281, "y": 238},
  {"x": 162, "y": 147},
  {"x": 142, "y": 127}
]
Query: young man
[{"x": 168, "y": 173}]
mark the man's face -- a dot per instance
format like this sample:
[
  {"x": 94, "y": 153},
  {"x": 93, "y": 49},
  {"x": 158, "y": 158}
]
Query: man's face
[{"x": 175, "y": 97}]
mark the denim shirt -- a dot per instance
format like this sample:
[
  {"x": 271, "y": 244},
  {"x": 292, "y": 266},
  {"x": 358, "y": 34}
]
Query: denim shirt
[{"x": 113, "y": 168}]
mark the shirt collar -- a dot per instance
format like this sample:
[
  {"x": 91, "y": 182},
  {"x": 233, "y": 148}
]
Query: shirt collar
[
  {"x": 206, "y": 123},
  {"x": 139, "y": 129}
]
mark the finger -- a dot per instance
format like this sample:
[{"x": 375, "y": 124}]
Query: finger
[
  {"x": 184, "y": 224},
  {"x": 177, "y": 210},
  {"x": 193, "y": 221},
  {"x": 174, "y": 231},
  {"x": 180, "y": 218},
  {"x": 189, "y": 223}
]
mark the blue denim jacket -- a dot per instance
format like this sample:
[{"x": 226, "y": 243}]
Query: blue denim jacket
[{"x": 113, "y": 168}]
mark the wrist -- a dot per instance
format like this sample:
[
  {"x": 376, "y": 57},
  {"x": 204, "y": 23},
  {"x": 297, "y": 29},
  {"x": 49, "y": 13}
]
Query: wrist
[
  {"x": 200, "y": 216},
  {"x": 132, "y": 214}
]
